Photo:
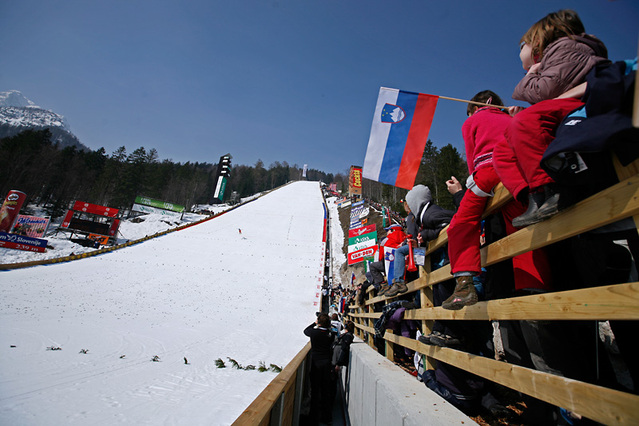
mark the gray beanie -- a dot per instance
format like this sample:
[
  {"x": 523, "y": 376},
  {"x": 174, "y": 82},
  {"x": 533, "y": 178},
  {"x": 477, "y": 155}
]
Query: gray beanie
[{"x": 417, "y": 197}]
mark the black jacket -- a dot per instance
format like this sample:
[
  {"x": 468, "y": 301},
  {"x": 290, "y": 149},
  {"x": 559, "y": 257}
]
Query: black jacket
[
  {"x": 433, "y": 221},
  {"x": 321, "y": 345}
]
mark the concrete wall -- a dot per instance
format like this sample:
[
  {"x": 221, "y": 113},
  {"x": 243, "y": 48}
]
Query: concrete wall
[{"x": 380, "y": 393}]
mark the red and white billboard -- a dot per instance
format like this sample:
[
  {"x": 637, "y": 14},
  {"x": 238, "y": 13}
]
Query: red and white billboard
[
  {"x": 81, "y": 206},
  {"x": 356, "y": 232},
  {"x": 360, "y": 255}
]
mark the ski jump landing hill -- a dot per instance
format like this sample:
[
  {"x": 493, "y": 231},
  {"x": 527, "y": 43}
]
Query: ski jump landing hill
[{"x": 133, "y": 336}]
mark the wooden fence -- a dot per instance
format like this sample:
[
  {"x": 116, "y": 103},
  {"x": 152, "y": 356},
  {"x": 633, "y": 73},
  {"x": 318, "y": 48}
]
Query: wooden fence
[{"x": 611, "y": 302}]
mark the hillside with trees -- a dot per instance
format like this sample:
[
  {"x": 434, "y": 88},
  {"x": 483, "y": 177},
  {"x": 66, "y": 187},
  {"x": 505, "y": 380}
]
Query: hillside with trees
[{"x": 54, "y": 177}]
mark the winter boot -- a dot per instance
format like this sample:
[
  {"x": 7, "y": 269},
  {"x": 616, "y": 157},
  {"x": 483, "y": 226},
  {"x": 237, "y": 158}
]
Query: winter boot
[
  {"x": 464, "y": 294},
  {"x": 532, "y": 215},
  {"x": 551, "y": 205},
  {"x": 397, "y": 288},
  {"x": 384, "y": 289}
]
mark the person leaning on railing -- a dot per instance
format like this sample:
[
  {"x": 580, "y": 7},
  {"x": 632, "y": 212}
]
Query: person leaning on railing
[{"x": 430, "y": 220}]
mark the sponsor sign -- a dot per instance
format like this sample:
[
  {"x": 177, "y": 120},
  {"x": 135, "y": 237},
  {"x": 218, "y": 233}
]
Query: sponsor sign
[
  {"x": 357, "y": 224},
  {"x": 361, "y": 231},
  {"x": 113, "y": 230},
  {"x": 67, "y": 219},
  {"x": 356, "y": 211},
  {"x": 220, "y": 187},
  {"x": 355, "y": 180},
  {"x": 31, "y": 226},
  {"x": 361, "y": 245},
  {"x": 361, "y": 255},
  {"x": 371, "y": 236},
  {"x": 146, "y": 201},
  {"x": 102, "y": 239},
  {"x": 22, "y": 242},
  {"x": 81, "y": 206},
  {"x": 10, "y": 209},
  {"x": 148, "y": 209}
]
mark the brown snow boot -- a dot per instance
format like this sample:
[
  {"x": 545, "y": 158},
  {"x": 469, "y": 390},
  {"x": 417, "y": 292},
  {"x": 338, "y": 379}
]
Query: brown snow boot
[{"x": 464, "y": 294}]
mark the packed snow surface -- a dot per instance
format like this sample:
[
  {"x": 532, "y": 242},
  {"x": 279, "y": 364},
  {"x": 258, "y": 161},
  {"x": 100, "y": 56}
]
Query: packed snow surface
[{"x": 78, "y": 340}]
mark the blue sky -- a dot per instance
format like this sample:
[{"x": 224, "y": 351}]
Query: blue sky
[{"x": 287, "y": 80}]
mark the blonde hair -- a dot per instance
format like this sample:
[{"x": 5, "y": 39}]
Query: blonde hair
[{"x": 564, "y": 23}]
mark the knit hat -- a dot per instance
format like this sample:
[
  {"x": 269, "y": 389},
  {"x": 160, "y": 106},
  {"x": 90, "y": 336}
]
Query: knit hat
[{"x": 417, "y": 197}]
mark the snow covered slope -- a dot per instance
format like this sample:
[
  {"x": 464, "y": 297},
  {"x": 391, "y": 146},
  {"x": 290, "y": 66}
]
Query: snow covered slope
[{"x": 203, "y": 293}]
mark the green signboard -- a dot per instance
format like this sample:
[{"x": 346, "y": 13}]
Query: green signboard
[
  {"x": 159, "y": 204},
  {"x": 362, "y": 238}
]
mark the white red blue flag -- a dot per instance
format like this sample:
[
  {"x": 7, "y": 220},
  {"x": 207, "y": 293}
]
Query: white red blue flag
[{"x": 399, "y": 134}]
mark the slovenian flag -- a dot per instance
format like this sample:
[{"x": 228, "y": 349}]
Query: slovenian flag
[{"x": 398, "y": 136}]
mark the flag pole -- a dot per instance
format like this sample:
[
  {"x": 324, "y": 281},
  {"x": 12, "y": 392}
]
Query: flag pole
[{"x": 473, "y": 102}]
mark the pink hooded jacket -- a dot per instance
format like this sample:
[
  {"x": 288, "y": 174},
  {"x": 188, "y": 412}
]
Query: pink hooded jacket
[{"x": 564, "y": 65}]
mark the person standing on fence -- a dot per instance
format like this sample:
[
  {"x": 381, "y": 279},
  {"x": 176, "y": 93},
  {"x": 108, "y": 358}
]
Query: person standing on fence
[{"x": 322, "y": 383}]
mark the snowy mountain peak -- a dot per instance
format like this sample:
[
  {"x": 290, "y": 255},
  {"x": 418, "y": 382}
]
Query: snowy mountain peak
[
  {"x": 14, "y": 98},
  {"x": 17, "y": 114}
]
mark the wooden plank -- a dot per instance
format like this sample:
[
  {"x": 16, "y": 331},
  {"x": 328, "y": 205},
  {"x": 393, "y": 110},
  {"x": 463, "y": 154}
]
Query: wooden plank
[
  {"x": 502, "y": 196},
  {"x": 365, "y": 328},
  {"x": 261, "y": 407},
  {"x": 613, "y": 302},
  {"x": 625, "y": 172},
  {"x": 367, "y": 315},
  {"x": 595, "y": 402},
  {"x": 610, "y": 205}
]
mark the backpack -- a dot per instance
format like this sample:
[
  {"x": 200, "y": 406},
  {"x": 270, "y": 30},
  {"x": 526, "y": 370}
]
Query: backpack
[
  {"x": 340, "y": 356},
  {"x": 603, "y": 124}
]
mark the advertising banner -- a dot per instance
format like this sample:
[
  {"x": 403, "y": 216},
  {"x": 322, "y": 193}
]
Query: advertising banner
[
  {"x": 355, "y": 181},
  {"x": 146, "y": 201},
  {"x": 10, "y": 209},
  {"x": 31, "y": 226},
  {"x": 67, "y": 219},
  {"x": 361, "y": 245},
  {"x": 361, "y": 231},
  {"x": 148, "y": 209},
  {"x": 21, "y": 242},
  {"x": 81, "y": 206},
  {"x": 356, "y": 211},
  {"x": 102, "y": 239},
  {"x": 361, "y": 238},
  {"x": 219, "y": 188},
  {"x": 113, "y": 230},
  {"x": 361, "y": 255}
]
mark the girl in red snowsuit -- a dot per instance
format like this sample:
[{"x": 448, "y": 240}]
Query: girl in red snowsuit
[{"x": 483, "y": 129}]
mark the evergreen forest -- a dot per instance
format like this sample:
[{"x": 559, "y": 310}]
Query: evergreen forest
[{"x": 54, "y": 178}]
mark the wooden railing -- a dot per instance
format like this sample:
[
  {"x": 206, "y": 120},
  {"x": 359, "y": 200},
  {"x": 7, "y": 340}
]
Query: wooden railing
[
  {"x": 280, "y": 402},
  {"x": 612, "y": 302}
]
